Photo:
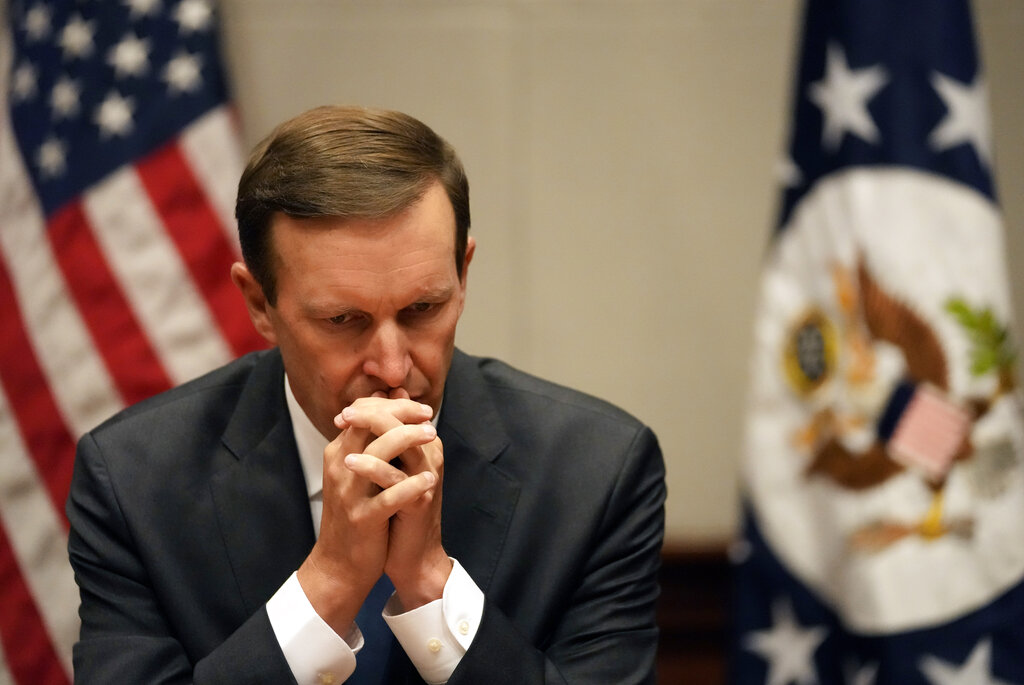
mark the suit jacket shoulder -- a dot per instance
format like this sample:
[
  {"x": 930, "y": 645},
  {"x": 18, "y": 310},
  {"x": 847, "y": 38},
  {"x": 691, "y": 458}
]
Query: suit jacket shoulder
[
  {"x": 554, "y": 503},
  {"x": 187, "y": 512},
  {"x": 485, "y": 395}
]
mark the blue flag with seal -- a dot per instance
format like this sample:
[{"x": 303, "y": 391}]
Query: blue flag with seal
[{"x": 882, "y": 476}]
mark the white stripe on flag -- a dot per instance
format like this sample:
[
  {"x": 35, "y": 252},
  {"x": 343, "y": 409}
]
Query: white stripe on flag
[
  {"x": 212, "y": 147},
  {"x": 153, "y": 276},
  {"x": 81, "y": 386},
  {"x": 37, "y": 538},
  {"x": 5, "y": 675}
]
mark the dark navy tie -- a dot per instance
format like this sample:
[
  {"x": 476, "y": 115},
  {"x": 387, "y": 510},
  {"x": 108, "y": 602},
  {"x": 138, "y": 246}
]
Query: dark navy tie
[{"x": 372, "y": 660}]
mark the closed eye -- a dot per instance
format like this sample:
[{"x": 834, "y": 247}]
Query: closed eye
[
  {"x": 343, "y": 319},
  {"x": 421, "y": 311}
]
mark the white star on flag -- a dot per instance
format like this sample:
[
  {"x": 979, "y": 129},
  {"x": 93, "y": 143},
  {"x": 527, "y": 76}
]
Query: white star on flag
[
  {"x": 182, "y": 73},
  {"x": 966, "y": 120},
  {"x": 787, "y": 172},
  {"x": 865, "y": 675},
  {"x": 130, "y": 57},
  {"x": 976, "y": 670},
  {"x": 142, "y": 8},
  {"x": 24, "y": 79},
  {"x": 788, "y": 647},
  {"x": 114, "y": 115},
  {"x": 52, "y": 158},
  {"x": 843, "y": 97},
  {"x": 193, "y": 15},
  {"x": 37, "y": 22},
  {"x": 76, "y": 40},
  {"x": 64, "y": 98}
]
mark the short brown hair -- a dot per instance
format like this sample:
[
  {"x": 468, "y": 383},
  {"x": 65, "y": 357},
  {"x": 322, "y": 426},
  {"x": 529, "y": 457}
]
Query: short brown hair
[{"x": 345, "y": 162}]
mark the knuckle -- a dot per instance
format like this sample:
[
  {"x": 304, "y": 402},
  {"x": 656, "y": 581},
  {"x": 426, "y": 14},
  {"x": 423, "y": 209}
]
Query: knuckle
[
  {"x": 332, "y": 449},
  {"x": 334, "y": 469},
  {"x": 388, "y": 498}
]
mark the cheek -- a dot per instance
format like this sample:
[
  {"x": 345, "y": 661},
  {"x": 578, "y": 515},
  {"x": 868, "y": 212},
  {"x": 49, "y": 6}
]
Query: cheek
[
  {"x": 324, "y": 361},
  {"x": 336, "y": 381},
  {"x": 435, "y": 350},
  {"x": 336, "y": 367}
]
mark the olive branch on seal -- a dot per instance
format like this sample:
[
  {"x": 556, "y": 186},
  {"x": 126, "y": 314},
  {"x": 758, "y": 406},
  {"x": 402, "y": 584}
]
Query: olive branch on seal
[{"x": 992, "y": 350}]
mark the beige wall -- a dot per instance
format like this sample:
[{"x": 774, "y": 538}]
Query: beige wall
[{"x": 621, "y": 154}]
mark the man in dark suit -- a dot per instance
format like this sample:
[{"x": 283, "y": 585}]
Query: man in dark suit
[{"x": 240, "y": 528}]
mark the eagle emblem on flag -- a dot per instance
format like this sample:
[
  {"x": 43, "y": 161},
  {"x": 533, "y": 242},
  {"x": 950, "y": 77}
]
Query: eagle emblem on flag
[
  {"x": 895, "y": 411},
  {"x": 884, "y": 399}
]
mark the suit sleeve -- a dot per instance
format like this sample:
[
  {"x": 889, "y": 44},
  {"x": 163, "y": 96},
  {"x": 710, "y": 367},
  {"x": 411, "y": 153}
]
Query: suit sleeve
[
  {"x": 125, "y": 635},
  {"x": 608, "y": 633}
]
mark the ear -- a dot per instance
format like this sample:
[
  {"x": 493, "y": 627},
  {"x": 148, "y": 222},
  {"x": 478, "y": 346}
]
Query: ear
[
  {"x": 470, "y": 249},
  {"x": 255, "y": 301}
]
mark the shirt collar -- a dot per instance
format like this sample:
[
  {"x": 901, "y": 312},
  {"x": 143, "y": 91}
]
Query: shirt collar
[{"x": 311, "y": 443}]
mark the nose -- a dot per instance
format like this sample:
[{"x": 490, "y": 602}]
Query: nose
[{"x": 388, "y": 355}]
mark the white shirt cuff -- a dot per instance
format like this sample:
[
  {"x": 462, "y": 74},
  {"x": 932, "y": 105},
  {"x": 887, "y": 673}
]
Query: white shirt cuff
[
  {"x": 314, "y": 652},
  {"x": 435, "y": 636}
]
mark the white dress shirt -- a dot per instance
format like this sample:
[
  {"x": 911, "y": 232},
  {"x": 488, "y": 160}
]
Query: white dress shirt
[{"x": 435, "y": 636}]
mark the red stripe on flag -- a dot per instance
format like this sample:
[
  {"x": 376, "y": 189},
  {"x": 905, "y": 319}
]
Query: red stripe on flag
[
  {"x": 196, "y": 230},
  {"x": 41, "y": 424},
  {"x": 28, "y": 651},
  {"x": 120, "y": 339}
]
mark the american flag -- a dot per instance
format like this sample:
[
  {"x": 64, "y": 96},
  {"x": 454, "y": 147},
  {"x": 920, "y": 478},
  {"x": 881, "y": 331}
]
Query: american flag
[
  {"x": 119, "y": 158},
  {"x": 883, "y": 472}
]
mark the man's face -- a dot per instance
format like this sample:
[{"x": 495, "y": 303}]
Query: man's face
[{"x": 364, "y": 305}]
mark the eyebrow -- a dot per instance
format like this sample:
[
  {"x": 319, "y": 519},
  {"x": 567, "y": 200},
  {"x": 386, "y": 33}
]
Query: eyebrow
[
  {"x": 322, "y": 307},
  {"x": 435, "y": 294}
]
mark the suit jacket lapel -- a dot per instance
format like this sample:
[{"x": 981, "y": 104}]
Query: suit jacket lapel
[
  {"x": 479, "y": 498},
  {"x": 261, "y": 500}
]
